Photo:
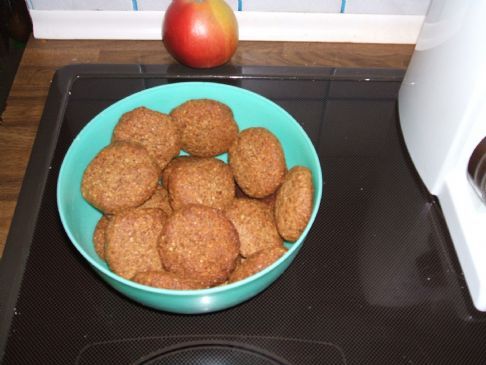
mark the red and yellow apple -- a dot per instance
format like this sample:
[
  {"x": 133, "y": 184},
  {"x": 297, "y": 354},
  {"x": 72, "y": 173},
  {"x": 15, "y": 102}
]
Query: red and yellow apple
[{"x": 200, "y": 33}]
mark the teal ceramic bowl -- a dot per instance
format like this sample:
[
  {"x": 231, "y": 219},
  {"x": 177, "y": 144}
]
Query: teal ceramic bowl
[{"x": 79, "y": 218}]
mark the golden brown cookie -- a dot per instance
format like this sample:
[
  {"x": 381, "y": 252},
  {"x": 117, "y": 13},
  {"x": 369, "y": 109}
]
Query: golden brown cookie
[
  {"x": 131, "y": 241},
  {"x": 257, "y": 161},
  {"x": 256, "y": 262},
  {"x": 121, "y": 176},
  {"x": 99, "y": 236},
  {"x": 293, "y": 205},
  {"x": 240, "y": 193},
  {"x": 177, "y": 161},
  {"x": 166, "y": 280},
  {"x": 255, "y": 224},
  {"x": 206, "y": 181},
  {"x": 269, "y": 200},
  {"x": 199, "y": 243},
  {"x": 207, "y": 127},
  {"x": 160, "y": 200},
  {"x": 155, "y": 131}
]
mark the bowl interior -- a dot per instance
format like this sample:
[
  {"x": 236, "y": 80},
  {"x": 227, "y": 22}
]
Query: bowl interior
[{"x": 250, "y": 110}]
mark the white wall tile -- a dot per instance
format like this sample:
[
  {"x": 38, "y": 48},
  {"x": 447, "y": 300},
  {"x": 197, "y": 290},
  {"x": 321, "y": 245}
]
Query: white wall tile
[
  {"x": 318, "y": 6},
  {"x": 234, "y": 4},
  {"x": 396, "y": 7},
  {"x": 161, "y": 5},
  {"x": 156, "y": 5},
  {"x": 81, "y": 4}
]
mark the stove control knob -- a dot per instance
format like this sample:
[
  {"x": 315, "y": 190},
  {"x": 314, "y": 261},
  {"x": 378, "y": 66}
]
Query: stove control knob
[{"x": 476, "y": 169}]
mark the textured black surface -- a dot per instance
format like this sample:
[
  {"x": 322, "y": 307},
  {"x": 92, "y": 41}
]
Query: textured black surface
[{"x": 376, "y": 282}]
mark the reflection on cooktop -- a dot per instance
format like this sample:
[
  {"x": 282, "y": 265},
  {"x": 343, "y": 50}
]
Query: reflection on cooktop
[{"x": 211, "y": 350}]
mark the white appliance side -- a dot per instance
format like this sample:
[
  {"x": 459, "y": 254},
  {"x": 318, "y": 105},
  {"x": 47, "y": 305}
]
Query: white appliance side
[
  {"x": 442, "y": 108},
  {"x": 445, "y": 80}
]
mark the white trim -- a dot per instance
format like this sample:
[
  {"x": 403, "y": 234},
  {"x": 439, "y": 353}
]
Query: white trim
[
  {"x": 322, "y": 27},
  {"x": 259, "y": 26},
  {"x": 91, "y": 24}
]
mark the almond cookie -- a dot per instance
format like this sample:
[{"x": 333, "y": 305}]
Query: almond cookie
[
  {"x": 257, "y": 161},
  {"x": 293, "y": 204},
  {"x": 131, "y": 241},
  {"x": 206, "y": 181},
  {"x": 155, "y": 131},
  {"x": 121, "y": 176},
  {"x": 255, "y": 224},
  {"x": 166, "y": 280},
  {"x": 256, "y": 262},
  {"x": 199, "y": 243},
  {"x": 207, "y": 127}
]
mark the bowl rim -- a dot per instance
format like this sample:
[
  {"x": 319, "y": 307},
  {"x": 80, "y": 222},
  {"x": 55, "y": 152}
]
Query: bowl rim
[{"x": 292, "y": 247}]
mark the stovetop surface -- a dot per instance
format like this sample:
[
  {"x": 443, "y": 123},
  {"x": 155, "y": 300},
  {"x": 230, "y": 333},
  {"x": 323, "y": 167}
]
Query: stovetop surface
[{"x": 376, "y": 282}]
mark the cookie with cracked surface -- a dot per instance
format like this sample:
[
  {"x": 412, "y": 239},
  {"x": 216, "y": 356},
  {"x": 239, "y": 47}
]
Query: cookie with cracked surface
[
  {"x": 131, "y": 241},
  {"x": 255, "y": 224},
  {"x": 99, "y": 235},
  {"x": 257, "y": 161},
  {"x": 207, "y": 127},
  {"x": 121, "y": 176},
  {"x": 293, "y": 204},
  {"x": 159, "y": 200},
  {"x": 175, "y": 162},
  {"x": 206, "y": 181},
  {"x": 200, "y": 243},
  {"x": 156, "y": 131},
  {"x": 166, "y": 280},
  {"x": 256, "y": 263}
]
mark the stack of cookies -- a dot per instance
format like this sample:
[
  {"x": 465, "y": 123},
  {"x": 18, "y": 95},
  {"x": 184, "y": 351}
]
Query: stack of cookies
[{"x": 192, "y": 221}]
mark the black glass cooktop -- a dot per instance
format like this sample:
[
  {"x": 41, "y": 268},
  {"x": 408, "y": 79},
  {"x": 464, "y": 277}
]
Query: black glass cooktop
[{"x": 376, "y": 282}]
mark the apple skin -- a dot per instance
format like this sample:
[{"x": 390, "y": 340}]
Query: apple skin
[{"x": 200, "y": 33}]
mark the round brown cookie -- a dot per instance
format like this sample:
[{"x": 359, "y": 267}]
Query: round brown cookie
[
  {"x": 155, "y": 131},
  {"x": 121, "y": 176},
  {"x": 256, "y": 262},
  {"x": 200, "y": 243},
  {"x": 206, "y": 181},
  {"x": 255, "y": 224},
  {"x": 293, "y": 205},
  {"x": 166, "y": 280},
  {"x": 240, "y": 193},
  {"x": 178, "y": 161},
  {"x": 269, "y": 200},
  {"x": 131, "y": 241},
  {"x": 99, "y": 236},
  {"x": 207, "y": 127},
  {"x": 257, "y": 161},
  {"x": 160, "y": 200}
]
